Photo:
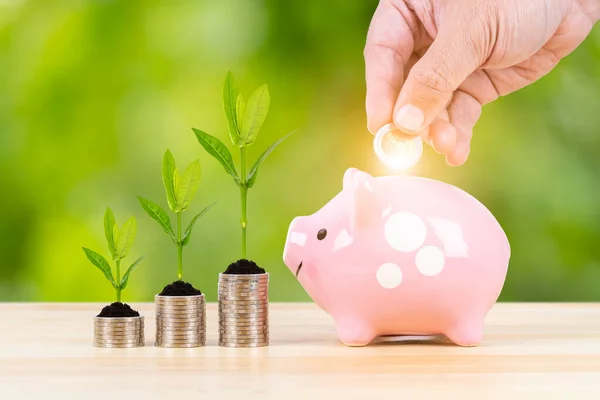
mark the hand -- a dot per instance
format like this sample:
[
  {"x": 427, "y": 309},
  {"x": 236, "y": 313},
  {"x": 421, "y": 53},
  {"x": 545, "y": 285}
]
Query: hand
[{"x": 432, "y": 64}]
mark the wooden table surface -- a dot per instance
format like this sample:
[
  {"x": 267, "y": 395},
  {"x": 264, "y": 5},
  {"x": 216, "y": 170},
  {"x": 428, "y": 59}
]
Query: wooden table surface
[{"x": 529, "y": 351}]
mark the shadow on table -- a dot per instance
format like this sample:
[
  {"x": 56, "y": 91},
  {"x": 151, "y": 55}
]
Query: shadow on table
[{"x": 387, "y": 340}]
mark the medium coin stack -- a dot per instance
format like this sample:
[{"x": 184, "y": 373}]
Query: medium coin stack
[
  {"x": 119, "y": 332},
  {"x": 180, "y": 321},
  {"x": 243, "y": 310}
]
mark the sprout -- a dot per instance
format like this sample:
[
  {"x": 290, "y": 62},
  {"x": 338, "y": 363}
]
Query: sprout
[
  {"x": 119, "y": 243},
  {"x": 244, "y": 122},
  {"x": 180, "y": 190}
]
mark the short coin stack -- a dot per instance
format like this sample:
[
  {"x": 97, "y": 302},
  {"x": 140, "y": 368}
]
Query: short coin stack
[
  {"x": 180, "y": 321},
  {"x": 118, "y": 332},
  {"x": 243, "y": 310}
]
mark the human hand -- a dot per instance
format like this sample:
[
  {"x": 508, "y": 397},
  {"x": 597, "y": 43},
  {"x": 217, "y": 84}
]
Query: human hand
[{"x": 432, "y": 64}]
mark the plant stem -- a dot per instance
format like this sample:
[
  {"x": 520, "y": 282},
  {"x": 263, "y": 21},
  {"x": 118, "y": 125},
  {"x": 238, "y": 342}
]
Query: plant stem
[
  {"x": 179, "y": 248},
  {"x": 244, "y": 195},
  {"x": 118, "y": 280}
]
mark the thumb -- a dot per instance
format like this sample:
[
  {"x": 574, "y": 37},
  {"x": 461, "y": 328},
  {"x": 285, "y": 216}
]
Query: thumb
[{"x": 429, "y": 86}]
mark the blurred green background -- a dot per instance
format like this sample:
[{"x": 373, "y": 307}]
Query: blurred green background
[{"x": 94, "y": 92}]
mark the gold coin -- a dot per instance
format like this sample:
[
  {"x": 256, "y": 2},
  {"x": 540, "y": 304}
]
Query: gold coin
[
  {"x": 161, "y": 315},
  {"x": 115, "y": 342},
  {"x": 180, "y": 324},
  {"x": 245, "y": 319},
  {"x": 396, "y": 149},
  {"x": 118, "y": 324},
  {"x": 179, "y": 345},
  {"x": 244, "y": 330},
  {"x": 117, "y": 335},
  {"x": 128, "y": 345},
  {"x": 236, "y": 344},
  {"x": 117, "y": 331}
]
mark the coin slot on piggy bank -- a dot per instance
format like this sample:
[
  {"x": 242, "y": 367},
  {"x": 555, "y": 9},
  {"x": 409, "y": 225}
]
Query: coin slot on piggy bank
[{"x": 401, "y": 255}]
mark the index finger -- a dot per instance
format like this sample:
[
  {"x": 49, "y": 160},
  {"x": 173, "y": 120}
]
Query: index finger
[{"x": 390, "y": 43}]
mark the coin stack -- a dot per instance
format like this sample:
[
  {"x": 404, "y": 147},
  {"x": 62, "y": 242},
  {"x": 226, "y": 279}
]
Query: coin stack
[
  {"x": 243, "y": 310},
  {"x": 119, "y": 332},
  {"x": 180, "y": 321}
]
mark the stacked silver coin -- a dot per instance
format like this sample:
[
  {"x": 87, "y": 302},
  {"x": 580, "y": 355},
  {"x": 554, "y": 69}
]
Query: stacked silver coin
[
  {"x": 180, "y": 321},
  {"x": 119, "y": 332},
  {"x": 243, "y": 310}
]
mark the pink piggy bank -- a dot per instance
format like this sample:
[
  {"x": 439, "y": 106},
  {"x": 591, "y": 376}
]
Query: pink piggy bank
[{"x": 400, "y": 256}]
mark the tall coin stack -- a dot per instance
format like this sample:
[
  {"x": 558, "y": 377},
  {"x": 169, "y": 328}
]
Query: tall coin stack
[
  {"x": 119, "y": 332},
  {"x": 243, "y": 310},
  {"x": 180, "y": 321}
]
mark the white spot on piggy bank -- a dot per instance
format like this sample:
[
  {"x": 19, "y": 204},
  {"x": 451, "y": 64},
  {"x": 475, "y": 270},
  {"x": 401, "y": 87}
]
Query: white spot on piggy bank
[
  {"x": 389, "y": 276},
  {"x": 430, "y": 260},
  {"x": 405, "y": 231},
  {"x": 414, "y": 250}
]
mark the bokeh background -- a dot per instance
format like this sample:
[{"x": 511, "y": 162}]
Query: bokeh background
[{"x": 94, "y": 92}]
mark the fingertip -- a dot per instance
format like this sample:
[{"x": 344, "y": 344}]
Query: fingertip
[
  {"x": 373, "y": 127},
  {"x": 375, "y": 117},
  {"x": 372, "y": 118},
  {"x": 459, "y": 156},
  {"x": 443, "y": 136},
  {"x": 409, "y": 119},
  {"x": 464, "y": 112},
  {"x": 378, "y": 106}
]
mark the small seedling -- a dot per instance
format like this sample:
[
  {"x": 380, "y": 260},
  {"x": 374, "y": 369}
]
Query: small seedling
[
  {"x": 119, "y": 242},
  {"x": 180, "y": 190},
  {"x": 244, "y": 122}
]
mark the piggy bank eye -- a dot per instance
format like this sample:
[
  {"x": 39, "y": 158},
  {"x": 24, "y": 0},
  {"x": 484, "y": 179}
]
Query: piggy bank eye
[{"x": 322, "y": 233}]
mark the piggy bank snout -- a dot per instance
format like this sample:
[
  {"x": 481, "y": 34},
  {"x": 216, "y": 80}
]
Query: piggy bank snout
[{"x": 294, "y": 242}]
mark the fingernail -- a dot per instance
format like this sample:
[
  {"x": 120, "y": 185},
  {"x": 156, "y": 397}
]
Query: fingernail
[{"x": 409, "y": 117}]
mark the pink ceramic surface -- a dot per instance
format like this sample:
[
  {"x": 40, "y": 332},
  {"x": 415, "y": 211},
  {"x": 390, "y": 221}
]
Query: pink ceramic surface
[{"x": 400, "y": 256}]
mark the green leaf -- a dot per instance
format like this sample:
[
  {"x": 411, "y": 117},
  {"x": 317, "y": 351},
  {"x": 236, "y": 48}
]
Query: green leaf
[
  {"x": 168, "y": 170},
  {"x": 188, "y": 185},
  {"x": 100, "y": 263},
  {"x": 217, "y": 149},
  {"x": 126, "y": 237},
  {"x": 188, "y": 231},
  {"x": 251, "y": 178},
  {"x": 176, "y": 182},
  {"x": 230, "y": 97},
  {"x": 240, "y": 107},
  {"x": 116, "y": 240},
  {"x": 125, "y": 279},
  {"x": 159, "y": 215},
  {"x": 109, "y": 226},
  {"x": 254, "y": 114}
]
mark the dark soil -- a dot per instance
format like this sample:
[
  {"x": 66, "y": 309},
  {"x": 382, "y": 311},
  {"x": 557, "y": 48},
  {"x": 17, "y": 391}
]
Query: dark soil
[
  {"x": 243, "y": 267},
  {"x": 180, "y": 288},
  {"x": 118, "y": 310}
]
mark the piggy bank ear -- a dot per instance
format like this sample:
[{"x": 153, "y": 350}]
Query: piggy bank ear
[
  {"x": 364, "y": 201},
  {"x": 349, "y": 178}
]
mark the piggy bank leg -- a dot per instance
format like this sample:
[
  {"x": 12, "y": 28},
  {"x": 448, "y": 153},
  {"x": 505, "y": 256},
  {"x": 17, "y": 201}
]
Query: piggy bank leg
[
  {"x": 466, "y": 333},
  {"x": 355, "y": 332}
]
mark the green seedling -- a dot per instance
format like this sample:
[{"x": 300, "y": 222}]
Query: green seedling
[
  {"x": 244, "y": 122},
  {"x": 119, "y": 242},
  {"x": 180, "y": 190}
]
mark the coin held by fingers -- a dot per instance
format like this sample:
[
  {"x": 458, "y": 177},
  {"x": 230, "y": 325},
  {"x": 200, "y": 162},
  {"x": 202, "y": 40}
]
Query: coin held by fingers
[{"x": 395, "y": 149}]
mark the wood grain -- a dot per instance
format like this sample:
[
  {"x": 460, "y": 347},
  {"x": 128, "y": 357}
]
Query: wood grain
[{"x": 530, "y": 351}]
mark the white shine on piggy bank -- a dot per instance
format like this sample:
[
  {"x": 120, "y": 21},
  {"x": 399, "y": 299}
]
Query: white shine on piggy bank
[{"x": 400, "y": 256}]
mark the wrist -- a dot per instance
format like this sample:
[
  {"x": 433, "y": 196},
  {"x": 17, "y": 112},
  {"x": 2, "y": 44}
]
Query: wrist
[{"x": 591, "y": 8}]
